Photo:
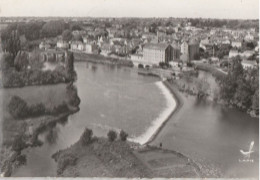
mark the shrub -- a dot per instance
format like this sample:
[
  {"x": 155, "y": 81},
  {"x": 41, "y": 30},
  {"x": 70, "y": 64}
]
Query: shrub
[
  {"x": 111, "y": 135},
  {"x": 21, "y": 159},
  {"x": 17, "y": 107},
  {"x": 64, "y": 161},
  {"x": 141, "y": 66},
  {"x": 37, "y": 109},
  {"x": 18, "y": 144},
  {"x": 86, "y": 137},
  {"x": 123, "y": 135}
]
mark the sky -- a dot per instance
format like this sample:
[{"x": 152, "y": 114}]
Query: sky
[{"x": 227, "y": 9}]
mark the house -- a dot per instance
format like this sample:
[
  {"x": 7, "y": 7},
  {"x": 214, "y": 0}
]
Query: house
[
  {"x": 52, "y": 55},
  {"x": 247, "y": 54},
  {"x": 237, "y": 44},
  {"x": 106, "y": 49},
  {"x": 249, "y": 64},
  {"x": 233, "y": 53},
  {"x": 249, "y": 37},
  {"x": 62, "y": 44},
  {"x": 156, "y": 53},
  {"x": 44, "y": 45},
  {"x": 90, "y": 48},
  {"x": 77, "y": 46}
]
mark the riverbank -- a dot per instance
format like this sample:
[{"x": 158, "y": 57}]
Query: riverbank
[
  {"x": 11, "y": 159},
  {"x": 19, "y": 134},
  {"x": 102, "y": 158},
  {"x": 100, "y": 59}
]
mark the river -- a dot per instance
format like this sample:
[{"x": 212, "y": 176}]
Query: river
[{"x": 117, "y": 98}]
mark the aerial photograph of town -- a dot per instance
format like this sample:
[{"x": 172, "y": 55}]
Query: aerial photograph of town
[{"x": 129, "y": 88}]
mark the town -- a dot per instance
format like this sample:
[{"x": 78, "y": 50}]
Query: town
[
  {"x": 148, "y": 42},
  {"x": 166, "y": 92}
]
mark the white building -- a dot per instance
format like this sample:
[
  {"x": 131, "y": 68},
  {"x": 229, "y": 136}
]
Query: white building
[
  {"x": 233, "y": 53},
  {"x": 237, "y": 44},
  {"x": 249, "y": 64},
  {"x": 156, "y": 53},
  {"x": 62, "y": 44}
]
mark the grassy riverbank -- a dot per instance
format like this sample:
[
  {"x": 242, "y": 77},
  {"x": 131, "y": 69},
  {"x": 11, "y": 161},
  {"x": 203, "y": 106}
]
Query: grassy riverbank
[
  {"x": 20, "y": 133},
  {"x": 102, "y": 158},
  {"x": 100, "y": 59}
]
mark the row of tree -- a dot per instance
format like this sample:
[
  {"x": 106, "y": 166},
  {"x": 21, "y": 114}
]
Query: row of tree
[
  {"x": 19, "y": 108},
  {"x": 11, "y": 36},
  {"x": 87, "y": 136},
  {"x": 241, "y": 87}
]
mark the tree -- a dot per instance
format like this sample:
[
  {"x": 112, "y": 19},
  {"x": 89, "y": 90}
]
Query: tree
[
  {"x": 123, "y": 135},
  {"x": 255, "y": 102},
  {"x": 11, "y": 41},
  {"x": 7, "y": 61},
  {"x": 18, "y": 144},
  {"x": 70, "y": 66},
  {"x": 86, "y": 137},
  {"x": 243, "y": 93},
  {"x": 17, "y": 107},
  {"x": 21, "y": 61},
  {"x": 77, "y": 37},
  {"x": 66, "y": 35},
  {"x": 112, "y": 135},
  {"x": 53, "y": 28}
]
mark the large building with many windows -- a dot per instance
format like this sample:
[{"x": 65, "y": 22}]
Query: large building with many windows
[{"x": 156, "y": 53}]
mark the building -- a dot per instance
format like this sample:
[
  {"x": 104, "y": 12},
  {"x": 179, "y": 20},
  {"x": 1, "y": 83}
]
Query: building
[
  {"x": 193, "y": 49},
  {"x": 249, "y": 64},
  {"x": 184, "y": 51},
  {"x": 77, "y": 46},
  {"x": 237, "y": 44},
  {"x": 62, "y": 44},
  {"x": 233, "y": 53},
  {"x": 176, "y": 52},
  {"x": 189, "y": 50},
  {"x": 44, "y": 45},
  {"x": 156, "y": 53},
  {"x": 91, "y": 48}
]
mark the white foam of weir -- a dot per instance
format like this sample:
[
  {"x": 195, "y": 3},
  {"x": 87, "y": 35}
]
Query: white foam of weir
[{"x": 162, "y": 117}]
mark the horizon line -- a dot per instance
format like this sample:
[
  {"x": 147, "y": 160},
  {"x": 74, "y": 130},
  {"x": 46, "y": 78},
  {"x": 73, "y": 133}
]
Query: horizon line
[{"x": 138, "y": 17}]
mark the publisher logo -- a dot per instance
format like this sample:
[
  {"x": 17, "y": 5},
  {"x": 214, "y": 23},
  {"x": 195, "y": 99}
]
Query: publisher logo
[{"x": 246, "y": 154}]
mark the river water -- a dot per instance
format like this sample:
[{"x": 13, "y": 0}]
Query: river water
[{"x": 117, "y": 98}]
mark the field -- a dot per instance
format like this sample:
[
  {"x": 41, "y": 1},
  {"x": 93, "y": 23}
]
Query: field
[
  {"x": 102, "y": 158},
  {"x": 50, "y": 96}
]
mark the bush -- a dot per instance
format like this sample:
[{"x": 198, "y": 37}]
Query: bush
[
  {"x": 59, "y": 109},
  {"x": 64, "y": 161},
  {"x": 123, "y": 135},
  {"x": 18, "y": 144},
  {"x": 37, "y": 110},
  {"x": 86, "y": 137},
  {"x": 21, "y": 159},
  {"x": 111, "y": 135},
  {"x": 140, "y": 66},
  {"x": 17, "y": 107}
]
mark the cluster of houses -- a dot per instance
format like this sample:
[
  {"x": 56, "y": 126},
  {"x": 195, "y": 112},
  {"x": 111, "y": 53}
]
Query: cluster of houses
[{"x": 142, "y": 46}]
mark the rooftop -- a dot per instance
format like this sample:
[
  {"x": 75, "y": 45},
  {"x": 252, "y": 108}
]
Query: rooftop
[{"x": 161, "y": 46}]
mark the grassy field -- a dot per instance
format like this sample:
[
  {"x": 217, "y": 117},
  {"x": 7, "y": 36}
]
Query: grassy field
[
  {"x": 50, "y": 96},
  {"x": 102, "y": 158}
]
